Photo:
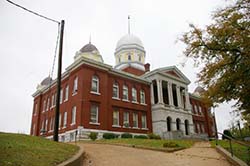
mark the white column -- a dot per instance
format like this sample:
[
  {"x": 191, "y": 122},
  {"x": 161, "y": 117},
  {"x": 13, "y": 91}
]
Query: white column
[
  {"x": 178, "y": 95},
  {"x": 170, "y": 95},
  {"x": 152, "y": 93},
  {"x": 188, "y": 106},
  {"x": 159, "y": 88}
]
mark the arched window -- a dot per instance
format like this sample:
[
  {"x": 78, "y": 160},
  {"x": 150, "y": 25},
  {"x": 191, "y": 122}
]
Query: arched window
[
  {"x": 169, "y": 121},
  {"x": 178, "y": 122},
  {"x": 186, "y": 127},
  {"x": 129, "y": 57},
  {"x": 95, "y": 84},
  {"x": 115, "y": 90}
]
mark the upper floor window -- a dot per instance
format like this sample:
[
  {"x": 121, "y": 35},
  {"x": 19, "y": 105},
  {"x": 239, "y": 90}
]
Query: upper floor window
[
  {"x": 135, "y": 120},
  {"x": 200, "y": 110},
  {"x": 115, "y": 90},
  {"x": 61, "y": 96},
  {"x": 75, "y": 86},
  {"x": 125, "y": 92},
  {"x": 144, "y": 121},
  {"x": 73, "y": 116},
  {"x": 66, "y": 97},
  {"x": 44, "y": 105},
  {"x": 35, "y": 109},
  {"x": 142, "y": 97},
  {"x": 116, "y": 118},
  {"x": 95, "y": 84},
  {"x": 46, "y": 125},
  {"x": 134, "y": 95},
  {"x": 47, "y": 108},
  {"x": 129, "y": 57},
  {"x": 94, "y": 114},
  {"x": 52, "y": 101}
]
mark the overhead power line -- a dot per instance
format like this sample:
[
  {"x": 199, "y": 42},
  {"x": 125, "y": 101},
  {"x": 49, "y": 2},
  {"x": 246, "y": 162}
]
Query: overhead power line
[{"x": 47, "y": 18}]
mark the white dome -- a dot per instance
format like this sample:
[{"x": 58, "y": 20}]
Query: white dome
[{"x": 128, "y": 41}]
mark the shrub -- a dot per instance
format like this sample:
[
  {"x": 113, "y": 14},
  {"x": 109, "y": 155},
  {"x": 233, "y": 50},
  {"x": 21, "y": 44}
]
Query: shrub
[
  {"x": 170, "y": 145},
  {"x": 126, "y": 135},
  {"x": 109, "y": 136},
  {"x": 153, "y": 136},
  {"x": 93, "y": 136},
  {"x": 140, "y": 137}
]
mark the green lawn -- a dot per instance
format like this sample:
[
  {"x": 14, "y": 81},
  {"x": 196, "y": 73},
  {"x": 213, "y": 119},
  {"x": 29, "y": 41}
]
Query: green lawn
[
  {"x": 148, "y": 143},
  {"x": 239, "y": 151},
  {"x": 24, "y": 150}
]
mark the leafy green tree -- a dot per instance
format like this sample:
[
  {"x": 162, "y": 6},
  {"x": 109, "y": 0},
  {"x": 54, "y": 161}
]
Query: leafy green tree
[{"x": 222, "y": 49}]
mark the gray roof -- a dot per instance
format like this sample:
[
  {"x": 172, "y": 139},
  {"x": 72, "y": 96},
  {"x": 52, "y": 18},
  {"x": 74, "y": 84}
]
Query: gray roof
[{"x": 88, "y": 48}]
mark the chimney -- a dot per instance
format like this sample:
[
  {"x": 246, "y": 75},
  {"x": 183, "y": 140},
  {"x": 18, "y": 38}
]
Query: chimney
[{"x": 147, "y": 67}]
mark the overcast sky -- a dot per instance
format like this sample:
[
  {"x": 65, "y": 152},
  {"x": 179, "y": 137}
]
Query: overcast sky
[{"x": 27, "y": 43}]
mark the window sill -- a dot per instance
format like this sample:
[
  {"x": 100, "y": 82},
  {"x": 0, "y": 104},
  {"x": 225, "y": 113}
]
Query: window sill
[
  {"x": 136, "y": 128},
  {"x": 74, "y": 93},
  {"x": 135, "y": 102},
  {"x": 126, "y": 127},
  {"x": 95, "y": 93},
  {"x": 115, "y": 98},
  {"x": 65, "y": 100},
  {"x": 117, "y": 126},
  {"x": 64, "y": 127},
  {"x": 143, "y": 104},
  {"x": 144, "y": 128},
  {"x": 92, "y": 123},
  {"x": 72, "y": 124},
  {"x": 125, "y": 100}
]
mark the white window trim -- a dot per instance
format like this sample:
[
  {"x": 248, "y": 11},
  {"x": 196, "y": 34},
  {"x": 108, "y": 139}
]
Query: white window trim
[
  {"x": 134, "y": 92},
  {"x": 65, "y": 119},
  {"x": 75, "y": 86},
  {"x": 145, "y": 121},
  {"x": 66, "y": 97},
  {"x": 125, "y": 87},
  {"x": 137, "y": 119},
  {"x": 116, "y": 86},
  {"x": 142, "y": 92},
  {"x": 61, "y": 96},
  {"x": 73, "y": 118},
  {"x": 95, "y": 78},
  {"x": 97, "y": 115},
  {"x": 126, "y": 121},
  {"x": 118, "y": 119}
]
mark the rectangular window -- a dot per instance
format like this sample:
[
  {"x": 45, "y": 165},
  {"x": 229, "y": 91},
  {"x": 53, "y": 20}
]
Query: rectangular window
[
  {"x": 95, "y": 84},
  {"x": 47, "y": 108},
  {"x": 46, "y": 125},
  {"x": 44, "y": 105},
  {"x": 35, "y": 109},
  {"x": 51, "y": 124},
  {"x": 73, "y": 117},
  {"x": 142, "y": 97},
  {"x": 134, "y": 95},
  {"x": 126, "y": 119},
  {"x": 61, "y": 96},
  {"x": 115, "y": 90},
  {"x": 144, "y": 121},
  {"x": 60, "y": 120},
  {"x": 135, "y": 120},
  {"x": 94, "y": 114},
  {"x": 125, "y": 92},
  {"x": 200, "y": 110},
  {"x": 75, "y": 85},
  {"x": 66, "y": 93},
  {"x": 34, "y": 129},
  {"x": 65, "y": 119},
  {"x": 116, "y": 118},
  {"x": 52, "y": 101}
]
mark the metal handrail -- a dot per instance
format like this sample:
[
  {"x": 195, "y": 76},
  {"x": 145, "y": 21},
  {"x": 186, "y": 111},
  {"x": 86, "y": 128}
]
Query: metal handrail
[{"x": 234, "y": 140}]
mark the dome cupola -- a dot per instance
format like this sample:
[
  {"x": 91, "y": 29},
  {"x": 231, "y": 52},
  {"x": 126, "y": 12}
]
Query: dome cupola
[
  {"x": 89, "y": 51},
  {"x": 130, "y": 52}
]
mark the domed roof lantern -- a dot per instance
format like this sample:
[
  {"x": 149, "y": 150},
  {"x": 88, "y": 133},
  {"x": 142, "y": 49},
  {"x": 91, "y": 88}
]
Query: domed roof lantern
[{"x": 89, "y": 51}]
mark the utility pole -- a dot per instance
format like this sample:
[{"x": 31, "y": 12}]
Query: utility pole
[{"x": 57, "y": 110}]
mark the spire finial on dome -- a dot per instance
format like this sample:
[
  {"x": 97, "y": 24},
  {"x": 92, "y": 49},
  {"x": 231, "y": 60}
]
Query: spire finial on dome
[
  {"x": 128, "y": 24},
  {"x": 89, "y": 38}
]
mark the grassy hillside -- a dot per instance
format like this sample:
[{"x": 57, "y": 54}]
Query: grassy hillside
[{"x": 24, "y": 150}]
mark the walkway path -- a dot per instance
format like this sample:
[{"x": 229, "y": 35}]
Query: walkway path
[{"x": 111, "y": 155}]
